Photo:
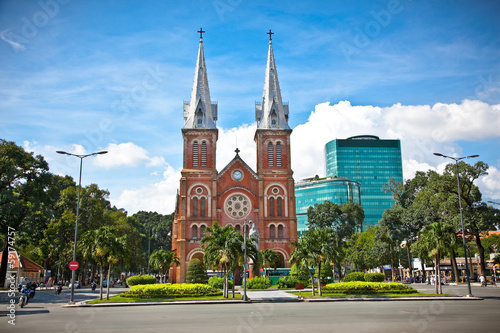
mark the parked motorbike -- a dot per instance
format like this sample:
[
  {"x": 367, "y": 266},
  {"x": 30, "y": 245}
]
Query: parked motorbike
[{"x": 58, "y": 289}]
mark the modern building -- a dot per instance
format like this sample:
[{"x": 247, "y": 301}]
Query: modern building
[
  {"x": 371, "y": 162},
  {"x": 237, "y": 194},
  {"x": 316, "y": 190}
]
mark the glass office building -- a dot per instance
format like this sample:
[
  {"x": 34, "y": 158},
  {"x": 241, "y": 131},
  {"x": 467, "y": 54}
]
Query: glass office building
[
  {"x": 370, "y": 162},
  {"x": 316, "y": 190}
]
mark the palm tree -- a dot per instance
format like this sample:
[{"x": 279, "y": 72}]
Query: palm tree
[
  {"x": 162, "y": 260},
  {"x": 222, "y": 247},
  {"x": 315, "y": 247},
  {"x": 269, "y": 258},
  {"x": 434, "y": 239},
  {"x": 302, "y": 257}
]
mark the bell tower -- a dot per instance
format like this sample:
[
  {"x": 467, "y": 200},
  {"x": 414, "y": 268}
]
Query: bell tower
[
  {"x": 277, "y": 219},
  {"x": 196, "y": 203}
]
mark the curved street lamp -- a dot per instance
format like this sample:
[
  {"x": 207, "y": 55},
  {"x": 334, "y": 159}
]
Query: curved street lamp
[
  {"x": 81, "y": 157},
  {"x": 456, "y": 159}
]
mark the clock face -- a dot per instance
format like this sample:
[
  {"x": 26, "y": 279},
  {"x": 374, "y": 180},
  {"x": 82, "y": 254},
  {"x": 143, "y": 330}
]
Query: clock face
[{"x": 237, "y": 175}]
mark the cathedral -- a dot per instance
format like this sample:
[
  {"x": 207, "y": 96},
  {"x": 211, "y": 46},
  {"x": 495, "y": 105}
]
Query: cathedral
[{"x": 264, "y": 198}]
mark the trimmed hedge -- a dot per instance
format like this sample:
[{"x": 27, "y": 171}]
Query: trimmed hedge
[
  {"x": 218, "y": 283},
  {"x": 172, "y": 290},
  {"x": 286, "y": 282},
  {"x": 367, "y": 287},
  {"x": 258, "y": 282},
  {"x": 141, "y": 279},
  {"x": 374, "y": 277},
  {"x": 354, "y": 276}
]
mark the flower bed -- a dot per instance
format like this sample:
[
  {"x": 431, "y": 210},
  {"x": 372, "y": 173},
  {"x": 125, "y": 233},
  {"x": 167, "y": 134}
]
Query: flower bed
[
  {"x": 172, "y": 290},
  {"x": 358, "y": 287}
]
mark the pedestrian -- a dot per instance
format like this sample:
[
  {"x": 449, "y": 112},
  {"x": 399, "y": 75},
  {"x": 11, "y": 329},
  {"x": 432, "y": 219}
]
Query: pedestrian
[{"x": 482, "y": 280}]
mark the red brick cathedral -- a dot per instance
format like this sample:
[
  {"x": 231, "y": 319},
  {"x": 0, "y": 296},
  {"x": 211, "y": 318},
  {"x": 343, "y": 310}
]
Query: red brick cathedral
[{"x": 237, "y": 193}]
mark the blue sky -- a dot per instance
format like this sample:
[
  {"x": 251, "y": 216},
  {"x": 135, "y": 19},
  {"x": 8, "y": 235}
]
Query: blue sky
[{"x": 84, "y": 76}]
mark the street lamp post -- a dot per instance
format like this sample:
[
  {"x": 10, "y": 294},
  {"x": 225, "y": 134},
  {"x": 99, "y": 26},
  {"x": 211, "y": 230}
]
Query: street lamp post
[
  {"x": 456, "y": 159},
  {"x": 81, "y": 157}
]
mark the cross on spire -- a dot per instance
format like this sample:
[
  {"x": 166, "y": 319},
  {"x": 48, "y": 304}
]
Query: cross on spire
[
  {"x": 201, "y": 33},
  {"x": 270, "y": 34},
  {"x": 237, "y": 151}
]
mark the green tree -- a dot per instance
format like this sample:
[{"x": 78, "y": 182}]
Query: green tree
[
  {"x": 314, "y": 248},
  {"x": 432, "y": 241},
  {"x": 163, "y": 260},
  {"x": 23, "y": 181},
  {"x": 196, "y": 272},
  {"x": 223, "y": 250},
  {"x": 269, "y": 258}
]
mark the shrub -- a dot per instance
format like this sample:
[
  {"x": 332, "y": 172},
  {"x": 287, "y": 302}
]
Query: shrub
[
  {"x": 218, "y": 283},
  {"x": 141, "y": 279},
  {"x": 374, "y": 277},
  {"x": 196, "y": 272},
  {"x": 258, "y": 282},
  {"x": 172, "y": 290},
  {"x": 367, "y": 287},
  {"x": 354, "y": 276},
  {"x": 285, "y": 282},
  {"x": 326, "y": 273}
]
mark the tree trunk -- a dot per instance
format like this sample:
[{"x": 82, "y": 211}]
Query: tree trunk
[
  {"x": 319, "y": 278},
  {"x": 392, "y": 263},
  {"x": 5, "y": 255},
  {"x": 454, "y": 265},
  {"x": 108, "y": 283},
  {"x": 100, "y": 284},
  {"x": 312, "y": 280},
  {"x": 410, "y": 266},
  {"x": 436, "y": 289},
  {"x": 480, "y": 248}
]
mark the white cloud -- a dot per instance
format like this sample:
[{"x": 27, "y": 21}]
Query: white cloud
[
  {"x": 15, "y": 45},
  {"x": 490, "y": 184},
  {"x": 159, "y": 197},
  {"x": 127, "y": 154}
]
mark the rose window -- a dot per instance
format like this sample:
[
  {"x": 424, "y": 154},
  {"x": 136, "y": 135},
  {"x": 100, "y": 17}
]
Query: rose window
[{"x": 238, "y": 206}]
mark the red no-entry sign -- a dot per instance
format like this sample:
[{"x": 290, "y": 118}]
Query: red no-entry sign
[{"x": 73, "y": 265}]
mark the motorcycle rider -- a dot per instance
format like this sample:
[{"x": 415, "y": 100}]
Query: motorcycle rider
[{"x": 26, "y": 293}]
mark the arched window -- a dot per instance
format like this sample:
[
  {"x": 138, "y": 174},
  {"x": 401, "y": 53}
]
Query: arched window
[
  {"x": 237, "y": 228},
  {"x": 202, "y": 231},
  {"x": 278, "y": 154},
  {"x": 280, "y": 231},
  {"x": 270, "y": 154},
  {"x": 280, "y": 205},
  {"x": 274, "y": 119},
  {"x": 199, "y": 118},
  {"x": 195, "y": 154},
  {"x": 195, "y": 207},
  {"x": 271, "y": 207},
  {"x": 203, "y": 154},
  {"x": 194, "y": 232},
  {"x": 272, "y": 232},
  {"x": 202, "y": 207}
]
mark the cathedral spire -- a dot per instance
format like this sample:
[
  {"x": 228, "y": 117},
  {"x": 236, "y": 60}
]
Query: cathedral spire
[
  {"x": 200, "y": 112},
  {"x": 271, "y": 113}
]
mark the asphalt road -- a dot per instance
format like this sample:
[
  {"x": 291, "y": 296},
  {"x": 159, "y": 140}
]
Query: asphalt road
[{"x": 45, "y": 314}]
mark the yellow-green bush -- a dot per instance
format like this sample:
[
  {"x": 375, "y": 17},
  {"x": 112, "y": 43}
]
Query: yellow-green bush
[
  {"x": 367, "y": 287},
  {"x": 173, "y": 290}
]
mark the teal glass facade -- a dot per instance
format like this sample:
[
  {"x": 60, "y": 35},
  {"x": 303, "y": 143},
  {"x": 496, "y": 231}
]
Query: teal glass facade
[
  {"x": 316, "y": 190},
  {"x": 371, "y": 162}
]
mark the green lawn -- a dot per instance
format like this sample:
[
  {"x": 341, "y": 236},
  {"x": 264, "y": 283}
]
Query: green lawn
[
  {"x": 347, "y": 295},
  {"x": 118, "y": 299}
]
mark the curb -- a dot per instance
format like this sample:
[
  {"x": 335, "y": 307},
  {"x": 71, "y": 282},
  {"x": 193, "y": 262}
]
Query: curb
[{"x": 270, "y": 300}]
